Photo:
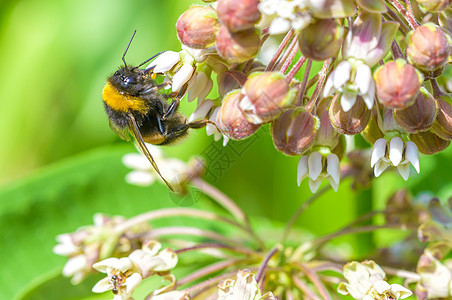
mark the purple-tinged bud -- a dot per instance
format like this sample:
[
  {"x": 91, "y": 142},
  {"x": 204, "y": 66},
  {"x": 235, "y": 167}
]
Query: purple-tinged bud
[
  {"x": 429, "y": 47},
  {"x": 230, "y": 119},
  {"x": 429, "y": 143},
  {"x": 238, "y": 15},
  {"x": 294, "y": 131},
  {"x": 321, "y": 46},
  {"x": 237, "y": 47},
  {"x": 434, "y": 5},
  {"x": 443, "y": 123},
  {"x": 419, "y": 116},
  {"x": 197, "y": 27},
  {"x": 387, "y": 123},
  {"x": 372, "y": 132},
  {"x": 326, "y": 135},
  {"x": 230, "y": 80},
  {"x": 397, "y": 83},
  {"x": 351, "y": 122},
  {"x": 445, "y": 19},
  {"x": 266, "y": 96}
]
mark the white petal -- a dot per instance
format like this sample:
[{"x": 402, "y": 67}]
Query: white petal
[
  {"x": 105, "y": 264},
  {"x": 380, "y": 167},
  {"x": 66, "y": 246},
  {"x": 123, "y": 264},
  {"x": 315, "y": 165},
  {"x": 363, "y": 78},
  {"x": 381, "y": 286},
  {"x": 246, "y": 105},
  {"x": 201, "y": 111},
  {"x": 74, "y": 264},
  {"x": 404, "y": 170},
  {"x": 329, "y": 88},
  {"x": 395, "y": 150},
  {"x": 279, "y": 25},
  {"x": 400, "y": 291},
  {"x": 182, "y": 76},
  {"x": 207, "y": 88},
  {"x": 333, "y": 168},
  {"x": 200, "y": 81},
  {"x": 378, "y": 151},
  {"x": 164, "y": 62},
  {"x": 132, "y": 282},
  {"x": 140, "y": 178},
  {"x": 225, "y": 140},
  {"x": 210, "y": 128},
  {"x": 412, "y": 155},
  {"x": 102, "y": 285},
  {"x": 302, "y": 169},
  {"x": 315, "y": 184},
  {"x": 136, "y": 161},
  {"x": 333, "y": 184},
  {"x": 347, "y": 101},
  {"x": 341, "y": 73},
  {"x": 369, "y": 97}
]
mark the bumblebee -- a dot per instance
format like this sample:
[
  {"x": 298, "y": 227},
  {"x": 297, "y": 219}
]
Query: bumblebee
[{"x": 136, "y": 107}]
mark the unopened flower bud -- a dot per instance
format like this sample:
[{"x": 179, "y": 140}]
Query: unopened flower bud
[
  {"x": 230, "y": 80},
  {"x": 238, "y": 15},
  {"x": 351, "y": 122},
  {"x": 325, "y": 45},
  {"x": 294, "y": 131},
  {"x": 434, "y": 5},
  {"x": 266, "y": 96},
  {"x": 429, "y": 143},
  {"x": 429, "y": 47},
  {"x": 326, "y": 136},
  {"x": 397, "y": 83},
  {"x": 197, "y": 27},
  {"x": 230, "y": 119},
  {"x": 419, "y": 116},
  {"x": 443, "y": 123},
  {"x": 237, "y": 47}
]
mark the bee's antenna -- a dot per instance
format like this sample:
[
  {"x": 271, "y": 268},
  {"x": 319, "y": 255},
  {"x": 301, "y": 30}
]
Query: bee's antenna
[
  {"x": 127, "y": 48},
  {"x": 150, "y": 59}
]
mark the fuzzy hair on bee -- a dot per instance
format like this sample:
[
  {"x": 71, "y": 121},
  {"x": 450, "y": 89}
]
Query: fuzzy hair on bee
[{"x": 136, "y": 107}]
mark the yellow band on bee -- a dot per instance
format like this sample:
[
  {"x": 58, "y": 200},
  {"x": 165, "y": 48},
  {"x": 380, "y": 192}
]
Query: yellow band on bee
[{"x": 121, "y": 102}]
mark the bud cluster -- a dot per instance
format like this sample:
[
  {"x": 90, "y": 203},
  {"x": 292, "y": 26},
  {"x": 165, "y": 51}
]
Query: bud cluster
[{"x": 388, "y": 99}]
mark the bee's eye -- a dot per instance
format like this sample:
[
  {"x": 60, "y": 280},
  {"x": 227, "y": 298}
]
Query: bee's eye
[
  {"x": 116, "y": 73},
  {"x": 128, "y": 80}
]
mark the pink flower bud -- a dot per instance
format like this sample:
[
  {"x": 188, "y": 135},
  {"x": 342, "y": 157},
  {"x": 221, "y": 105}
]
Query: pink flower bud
[
  {"x": 321, "y": 47},
  {"x": 237, "y": 47},
  {"x": 429, "y": 143},
  {"x": 294, "y": 131},
  {"x": 443, "y": 123},
  {"x": 419, "y": 116},
  {"x": 197, "y": 27},
  {"x": 238, "y": 15},
  {"x": 266, "y": 96},
  {"x": 351, "y": 122},
  {"x": 397, "y": 83},
  {"x": 434, "y": 5},
  {"x": 428, "y": 48},
  {"x": 230, "y": 119}
]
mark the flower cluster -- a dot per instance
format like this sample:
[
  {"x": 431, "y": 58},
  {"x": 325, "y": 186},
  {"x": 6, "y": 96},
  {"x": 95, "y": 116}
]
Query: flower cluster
[{"x": 360, "y": 89}]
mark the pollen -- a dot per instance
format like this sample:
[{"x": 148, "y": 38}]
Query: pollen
[{"x": 121, "y": 102}]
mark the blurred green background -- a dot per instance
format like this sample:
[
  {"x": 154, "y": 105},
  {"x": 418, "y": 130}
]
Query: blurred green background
[{"x": 60, "y": 163}]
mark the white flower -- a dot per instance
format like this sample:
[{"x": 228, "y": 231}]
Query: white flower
[
  {"x": 120, "y": 277},
  {"x": 149, "y": 260},
  {"x": 287, "y": 14},
  {"x": 144, "y": 174},
  {"x": 395, "y": 153},
  {"x": 436, "y": 277},
  {"x": 351, "y": 78},
  {"x": 199, "y": 87},
  {"x": 317, "y": 167},
  {"x": 366, "y": 282},
  {"x": 164, "y": 62},
  {"x": 167, "y": 292},
  {"x": 244, "y": 287}
]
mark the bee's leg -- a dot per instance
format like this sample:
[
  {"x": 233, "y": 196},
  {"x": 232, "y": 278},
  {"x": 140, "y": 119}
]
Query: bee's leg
[
  {"x": 175, "y": 104},
  {"x": 162, "y": 126},
  {"x": 201, "y": 124}
]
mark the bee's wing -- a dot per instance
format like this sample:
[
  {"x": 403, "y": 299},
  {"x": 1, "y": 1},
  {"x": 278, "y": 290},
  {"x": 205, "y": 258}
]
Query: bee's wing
[
  {"x": 142, "y": 146},
  {"x": 122, "y": 133}
]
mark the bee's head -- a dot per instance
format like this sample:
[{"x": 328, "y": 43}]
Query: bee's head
[{"x": 128, "y": 79}]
